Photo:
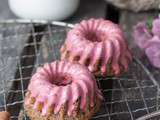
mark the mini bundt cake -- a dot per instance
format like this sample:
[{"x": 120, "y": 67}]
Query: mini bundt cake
[
  {"x": 98, "y": 44},
  {"x": 62, "y": 91}
]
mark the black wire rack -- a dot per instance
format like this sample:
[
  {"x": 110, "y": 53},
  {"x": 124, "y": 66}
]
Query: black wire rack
[{"x": 27, "y": 44}]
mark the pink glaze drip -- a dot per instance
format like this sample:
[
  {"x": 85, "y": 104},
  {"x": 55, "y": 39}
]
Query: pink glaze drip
[
  {"x": 98, "y": 39},
  {"x": 50, "y": 83}
]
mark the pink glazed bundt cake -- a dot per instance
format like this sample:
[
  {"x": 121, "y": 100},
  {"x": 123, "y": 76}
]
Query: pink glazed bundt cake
[
  {"x": 98, "y": 44},
  {"x": 62, "y": 91}
]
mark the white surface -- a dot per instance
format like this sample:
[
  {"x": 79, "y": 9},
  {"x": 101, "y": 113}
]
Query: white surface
[{"x": 44, "y": 9}]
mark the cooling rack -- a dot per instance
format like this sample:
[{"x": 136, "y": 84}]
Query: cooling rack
[{"x": 27, "y": 44}]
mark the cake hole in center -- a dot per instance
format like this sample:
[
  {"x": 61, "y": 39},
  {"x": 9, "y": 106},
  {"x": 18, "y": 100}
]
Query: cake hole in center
[
  {"x": 93, "y": 36},
  {"x": 62, "y": 80}
]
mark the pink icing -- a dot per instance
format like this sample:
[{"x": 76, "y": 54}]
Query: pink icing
[
  {"x": 60, "y": 83},
  {"x": 98, "y": 39}
]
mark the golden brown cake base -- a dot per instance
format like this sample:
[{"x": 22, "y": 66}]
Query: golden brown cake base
[
  {"x": 62, "y": 115},
  {"x": 4, "y": 116}
]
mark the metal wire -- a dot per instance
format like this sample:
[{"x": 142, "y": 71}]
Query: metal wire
[{"x": 132, "y": 95}]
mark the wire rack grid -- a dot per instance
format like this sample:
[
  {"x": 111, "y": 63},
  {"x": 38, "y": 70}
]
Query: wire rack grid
[{"x": 27, "y": 44}]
